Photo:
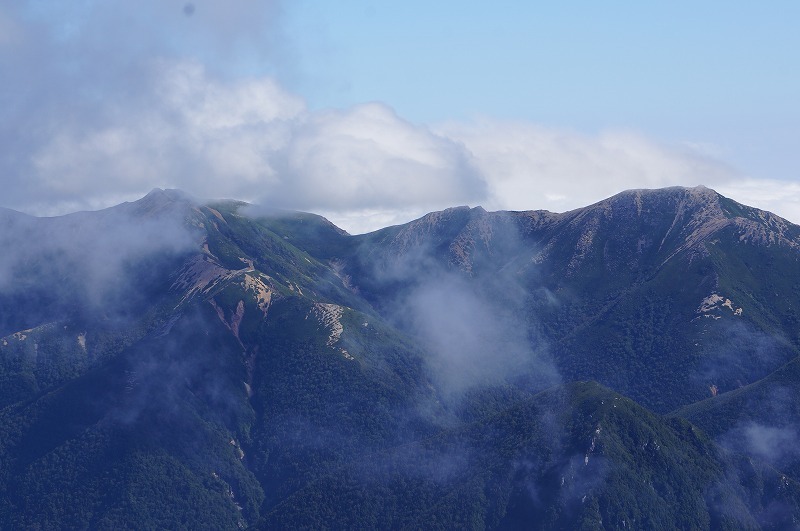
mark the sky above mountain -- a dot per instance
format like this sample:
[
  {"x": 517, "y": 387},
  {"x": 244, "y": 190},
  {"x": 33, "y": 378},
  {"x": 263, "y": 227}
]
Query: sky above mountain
[{"x": 373, "y": 112}]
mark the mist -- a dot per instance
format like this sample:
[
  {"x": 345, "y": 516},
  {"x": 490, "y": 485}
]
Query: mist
[
  {"x": 774, "y": 444},
  {"x": 443, "y": 377},
  {"x": 740, "y": 354},
  {"x": 445, "y": 391},
  {"x": 462, "y": 296},
  {"x": 105, "y": 263}
]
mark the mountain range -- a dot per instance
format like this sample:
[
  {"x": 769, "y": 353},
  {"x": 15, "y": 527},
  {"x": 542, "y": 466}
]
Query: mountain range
[{"x": 170, "y": 363}]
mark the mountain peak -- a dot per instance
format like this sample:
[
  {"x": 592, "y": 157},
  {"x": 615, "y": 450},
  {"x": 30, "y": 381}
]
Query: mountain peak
[
  {"x": 189, "y": 353},
  {"x": 158, "y": 201},
  {"x": 165, "y": 194},
  {"x": 688, "y": 208},
  {"x": 695, "y": 196}
]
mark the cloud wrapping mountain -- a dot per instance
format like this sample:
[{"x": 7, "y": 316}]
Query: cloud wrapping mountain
[{"x": 170, "y": 361}]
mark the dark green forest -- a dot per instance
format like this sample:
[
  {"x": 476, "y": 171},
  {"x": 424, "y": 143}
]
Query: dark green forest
[{"x": 168, "y": 364}]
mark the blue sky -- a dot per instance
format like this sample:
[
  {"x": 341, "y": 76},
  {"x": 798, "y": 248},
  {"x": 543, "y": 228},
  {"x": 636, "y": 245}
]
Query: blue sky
[
  {"x": 376, "y": 112},
  {"x": 716, "y": 73}
]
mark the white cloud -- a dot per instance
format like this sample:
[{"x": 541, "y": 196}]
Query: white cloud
[
  {"x": 368, "y": 157},
  {"x": 101, "y": 104},
  {"x": 193, "y": 132},
  {"x": 363, "y": 167},
  {"x": 529, "y": 166},
  {"x": 779, "y": 197},
  {"x": 526, "y": 166},
  {"x": 251, "y": 139}
]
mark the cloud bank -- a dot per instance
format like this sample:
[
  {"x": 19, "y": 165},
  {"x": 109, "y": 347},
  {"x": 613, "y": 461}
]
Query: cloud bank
[{"x": 103, "y": 104}]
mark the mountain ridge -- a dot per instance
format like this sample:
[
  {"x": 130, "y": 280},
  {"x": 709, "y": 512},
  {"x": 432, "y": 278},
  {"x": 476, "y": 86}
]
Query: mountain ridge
[{"x": 251, "y": 357}]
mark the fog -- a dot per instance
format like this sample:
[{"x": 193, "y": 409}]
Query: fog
[
  {"x": 103, "y": 262},
  {"x": 461, "y": 295}
]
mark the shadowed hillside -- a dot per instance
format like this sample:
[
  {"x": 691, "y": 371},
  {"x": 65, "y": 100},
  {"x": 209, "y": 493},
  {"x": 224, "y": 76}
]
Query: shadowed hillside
[{"x": 167, "y": 363}]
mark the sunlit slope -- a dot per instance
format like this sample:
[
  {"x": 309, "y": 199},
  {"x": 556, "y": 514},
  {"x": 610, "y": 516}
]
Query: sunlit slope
[{"x": 665, "y": 295}]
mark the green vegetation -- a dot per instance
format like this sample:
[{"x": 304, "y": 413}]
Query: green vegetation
[{"x": 279, "y": 373}]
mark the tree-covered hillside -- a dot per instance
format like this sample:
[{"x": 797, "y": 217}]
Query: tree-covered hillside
[{"x": 172, "y": 364}]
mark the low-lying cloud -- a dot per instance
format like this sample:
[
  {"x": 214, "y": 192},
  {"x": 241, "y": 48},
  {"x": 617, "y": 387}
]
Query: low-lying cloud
[
  {"x": 473, "y": 340},
  {"x": 774, "y": 444},
  {"x": 101, "y": 262},
  {"x": 474, "y": 318}
]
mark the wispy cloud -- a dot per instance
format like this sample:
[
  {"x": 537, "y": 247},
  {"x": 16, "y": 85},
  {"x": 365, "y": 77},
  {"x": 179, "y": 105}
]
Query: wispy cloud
[
  {"x": 530, "y": 166},
  {"x": 779, "y": 197}
]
